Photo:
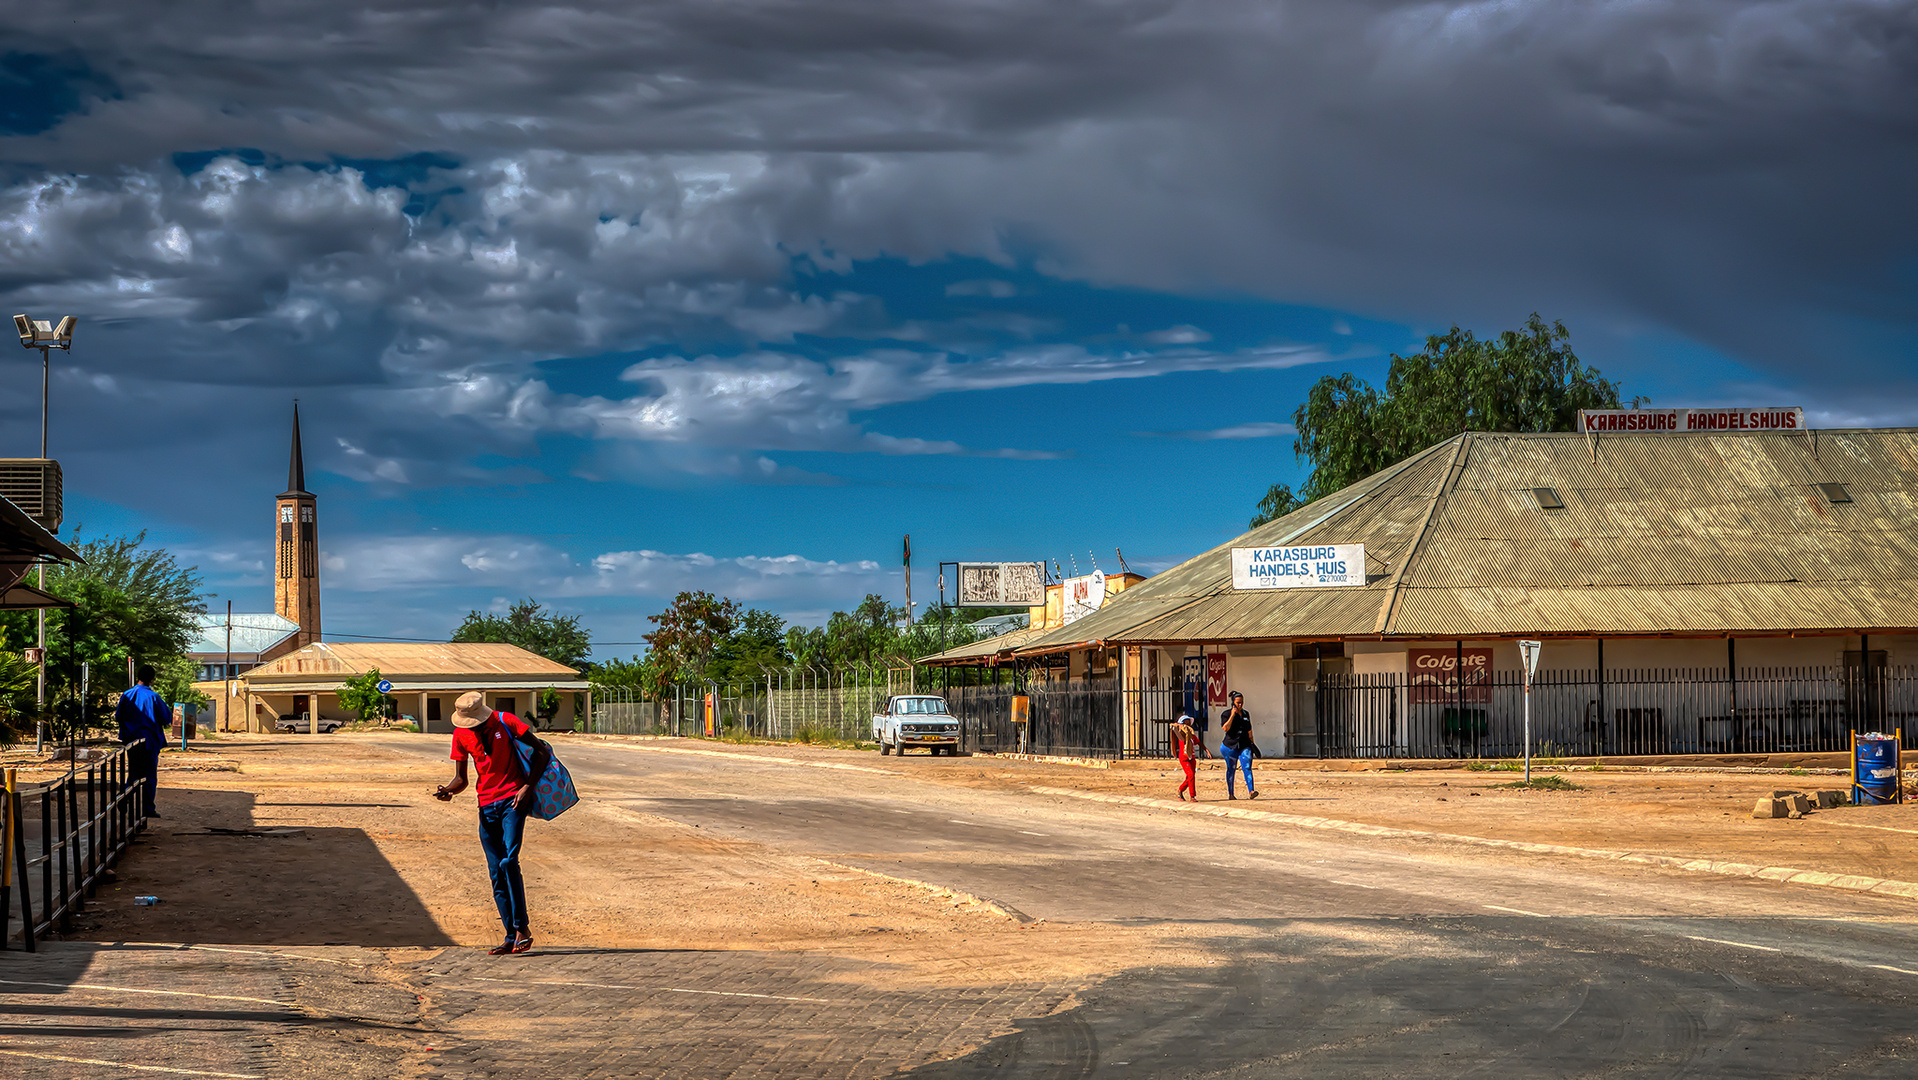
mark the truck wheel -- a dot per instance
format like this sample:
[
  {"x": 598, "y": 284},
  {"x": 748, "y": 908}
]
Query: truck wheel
[{"x": 885, "y": 748}]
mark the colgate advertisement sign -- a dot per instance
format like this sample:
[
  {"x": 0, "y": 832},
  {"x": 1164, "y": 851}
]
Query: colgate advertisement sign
[
  {"x": 1451, "y": 676},
  {"x": 1686, "y": 421}
]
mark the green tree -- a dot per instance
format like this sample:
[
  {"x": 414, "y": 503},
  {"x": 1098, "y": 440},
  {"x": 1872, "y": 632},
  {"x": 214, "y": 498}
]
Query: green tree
[
  {"x": 558, "y": 638},
  {"x": 1522, "y": 380},
  {"x": 17, "y": 681},
  {"x": 756, "y": 646},
  {"x": 362, "y": 696},
  {"x": 688, "y": 636},
  {"x": 175, "y": 681},
  {"x": 129, "y": 600}
]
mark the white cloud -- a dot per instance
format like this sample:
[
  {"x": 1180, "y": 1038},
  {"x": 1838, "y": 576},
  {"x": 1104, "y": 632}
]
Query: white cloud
[
  {"x": 779, "y": 401},
  {"x": 1178, "y": 335},
  {"x": 1261, "y": 429},
  {"x": 998, "y": 290},
  {"x": 528, "y": 566}
]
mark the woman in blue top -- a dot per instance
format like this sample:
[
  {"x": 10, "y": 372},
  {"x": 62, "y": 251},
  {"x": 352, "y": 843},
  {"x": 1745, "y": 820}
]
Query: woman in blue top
[{"x": 1235, "y": 745}]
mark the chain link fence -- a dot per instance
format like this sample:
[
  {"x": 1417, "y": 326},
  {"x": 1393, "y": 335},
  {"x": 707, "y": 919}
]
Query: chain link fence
[{"x": 813, "y": 704}]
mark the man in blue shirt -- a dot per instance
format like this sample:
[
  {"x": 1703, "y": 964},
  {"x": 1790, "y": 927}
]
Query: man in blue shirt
[{"x": 142, "y": 715}]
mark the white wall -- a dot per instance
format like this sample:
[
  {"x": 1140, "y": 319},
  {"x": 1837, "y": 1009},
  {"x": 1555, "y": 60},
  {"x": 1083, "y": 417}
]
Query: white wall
[{"x": 1259, "y": 674}]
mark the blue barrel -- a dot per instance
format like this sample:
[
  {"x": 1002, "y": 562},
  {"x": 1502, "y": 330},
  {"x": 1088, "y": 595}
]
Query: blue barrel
[{"x": 1874, "y": 770}]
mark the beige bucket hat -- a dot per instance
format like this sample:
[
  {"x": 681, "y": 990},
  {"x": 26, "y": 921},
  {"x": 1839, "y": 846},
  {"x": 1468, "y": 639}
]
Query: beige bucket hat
[{"x": 470, "y": 710}]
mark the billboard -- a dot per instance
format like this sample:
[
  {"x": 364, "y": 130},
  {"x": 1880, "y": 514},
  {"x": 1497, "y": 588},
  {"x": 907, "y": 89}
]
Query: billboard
[
  {"x": 1215, "y": 688},
  {"x": 1311, "y": 567},
  {"x": 1081, "y": 596},
  {"x": 1682, "y": 421},
  {"x": 1454, "y": 676},
  {"x": 1002, "y": 584}
]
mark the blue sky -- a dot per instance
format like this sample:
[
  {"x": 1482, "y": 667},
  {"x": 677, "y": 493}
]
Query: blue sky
[{"x": 610, "y": 303}]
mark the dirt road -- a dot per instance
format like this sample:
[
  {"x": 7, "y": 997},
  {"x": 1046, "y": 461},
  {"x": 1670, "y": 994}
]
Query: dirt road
[{"x": 713, "y": 910}]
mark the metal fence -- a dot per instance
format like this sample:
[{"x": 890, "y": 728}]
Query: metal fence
[
  {"x": 1068, "y": 720},
  {"x": 83, "y": 822},
  {"x": 801, "y": 704},
  {"x": 1611, "y": 713}
]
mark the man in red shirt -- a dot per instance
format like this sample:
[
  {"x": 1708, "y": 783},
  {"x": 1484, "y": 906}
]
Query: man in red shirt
[{"x": 487, "y": 738}]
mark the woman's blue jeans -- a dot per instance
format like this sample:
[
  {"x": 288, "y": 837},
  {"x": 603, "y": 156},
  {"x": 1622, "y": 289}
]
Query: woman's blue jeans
[
  {"x": 1240, "y": 759},
  {"x": 500, "y": 829}
]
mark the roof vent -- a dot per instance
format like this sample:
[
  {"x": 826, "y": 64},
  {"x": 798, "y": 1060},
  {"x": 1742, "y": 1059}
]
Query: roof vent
[
  {"x": 1835, "y": 493},
  {"x": 1548, "y": 499}
]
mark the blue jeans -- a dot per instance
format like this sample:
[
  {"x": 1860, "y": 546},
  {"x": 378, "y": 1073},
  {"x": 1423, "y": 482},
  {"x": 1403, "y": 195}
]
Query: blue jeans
[
  {"x": 500, "y": 830},
  {"x": 1241, "y": 759}
]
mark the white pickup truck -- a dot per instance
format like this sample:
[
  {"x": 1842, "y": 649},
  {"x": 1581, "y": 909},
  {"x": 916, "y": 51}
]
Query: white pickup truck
[{"x": 916, "y": 720}]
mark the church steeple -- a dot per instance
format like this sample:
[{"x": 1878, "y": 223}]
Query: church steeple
[
  {"x": 296, "y": 583},
  {"x": 296, "y": 466}
]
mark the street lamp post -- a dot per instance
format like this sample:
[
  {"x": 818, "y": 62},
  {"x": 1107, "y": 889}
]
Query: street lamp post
[{"x": 45, "y": 336}]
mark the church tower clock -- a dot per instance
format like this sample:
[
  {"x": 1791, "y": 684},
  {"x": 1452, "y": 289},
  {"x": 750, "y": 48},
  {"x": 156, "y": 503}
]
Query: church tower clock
[{"x": 296, "y": 579}]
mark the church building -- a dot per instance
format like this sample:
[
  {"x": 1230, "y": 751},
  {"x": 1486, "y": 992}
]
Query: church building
[
  {"x": 231, "y": 644},
  {"x": 266, "y": 671}
]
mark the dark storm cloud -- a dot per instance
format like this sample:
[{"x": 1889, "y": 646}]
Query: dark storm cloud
[{"x": 433, "y": 197}]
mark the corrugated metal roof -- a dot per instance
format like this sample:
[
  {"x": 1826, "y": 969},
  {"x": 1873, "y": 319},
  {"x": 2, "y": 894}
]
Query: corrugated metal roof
[
  {"x": 985, "y": 648},
  {"x": 1660, "y": 533},
  {"x": 253, "y": 632},
  {"x": 401, "y": 660}
]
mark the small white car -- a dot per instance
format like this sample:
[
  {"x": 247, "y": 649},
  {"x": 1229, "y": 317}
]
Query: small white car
[
  {"x": 300, "y": 726},
  {"x": 916, "y": 720}
]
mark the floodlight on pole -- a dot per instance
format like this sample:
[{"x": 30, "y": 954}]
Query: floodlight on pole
[{"x": 46, "y": 336}]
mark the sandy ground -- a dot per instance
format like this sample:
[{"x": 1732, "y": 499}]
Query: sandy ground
[
  {"x": 280, "y": 842},
  {"x": 1695, "y": 814},
  {"x": 403, "y": 871},
  {"x": 333, "y": 845}
]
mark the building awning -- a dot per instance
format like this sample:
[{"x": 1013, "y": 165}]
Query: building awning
[
  {"x": 986, "y": 650},
  {"x": 419, "y": 686},
  {"x": 24, "y": 597}
]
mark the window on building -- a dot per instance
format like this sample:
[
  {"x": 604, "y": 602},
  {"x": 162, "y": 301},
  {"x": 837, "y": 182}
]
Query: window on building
[
  {"x": 1548, "y": 498},
  {"x": 1835, "y": 493}
]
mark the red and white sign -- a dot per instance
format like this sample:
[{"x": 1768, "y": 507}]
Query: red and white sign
[
  {"x": 1215, "y": 688},
  {"x": 1684, "y": 421},
  {"x": 1436, "y": 676}
]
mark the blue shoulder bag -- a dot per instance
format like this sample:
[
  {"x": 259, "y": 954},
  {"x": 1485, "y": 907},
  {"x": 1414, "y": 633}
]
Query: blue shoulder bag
[{"x": 553, "y": 792}]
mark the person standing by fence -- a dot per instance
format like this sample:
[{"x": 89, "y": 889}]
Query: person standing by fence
[
  {"x": 1235, "y": 745},
  {"x": 143, "y": 717}
]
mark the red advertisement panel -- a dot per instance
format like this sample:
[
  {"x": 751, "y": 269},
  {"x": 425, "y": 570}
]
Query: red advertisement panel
[
  {"x": 1215, "y": 687},
  {"x": 1437, "y": 679}
]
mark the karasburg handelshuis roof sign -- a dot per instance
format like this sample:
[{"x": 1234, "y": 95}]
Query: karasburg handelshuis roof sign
[
  {"x": 1684, "y": 421},
  {"x": 1314, "y": 567}
]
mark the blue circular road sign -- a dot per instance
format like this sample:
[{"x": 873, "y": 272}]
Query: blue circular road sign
[{"x": 386, "y": 687}]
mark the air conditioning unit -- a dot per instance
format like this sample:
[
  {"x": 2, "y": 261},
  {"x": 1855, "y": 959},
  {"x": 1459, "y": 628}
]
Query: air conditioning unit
[{"x": 33, "y": 485}]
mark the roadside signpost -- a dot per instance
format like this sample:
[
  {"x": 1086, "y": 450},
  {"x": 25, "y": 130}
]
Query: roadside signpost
[
  {"x": 1528, "y": 651},
  {"x": 386, "y": 686}
]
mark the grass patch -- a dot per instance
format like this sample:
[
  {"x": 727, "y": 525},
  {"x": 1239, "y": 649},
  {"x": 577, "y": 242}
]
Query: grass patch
[
  {"x": 1542, "y": 783},
  {"x": 1800, "y": 772}
]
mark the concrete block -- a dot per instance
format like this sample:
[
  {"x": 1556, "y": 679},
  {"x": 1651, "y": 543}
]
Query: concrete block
[
  {"x": 1771, "y": 808},
  {"x": 1785, "y": 794},
  {"x": 1800, "y": 805},
  {"x": 1832, "y": 797}
]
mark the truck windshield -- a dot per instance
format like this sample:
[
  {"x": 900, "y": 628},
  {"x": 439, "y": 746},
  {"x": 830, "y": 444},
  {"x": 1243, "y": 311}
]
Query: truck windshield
[{"x": 920, "y": 706}]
